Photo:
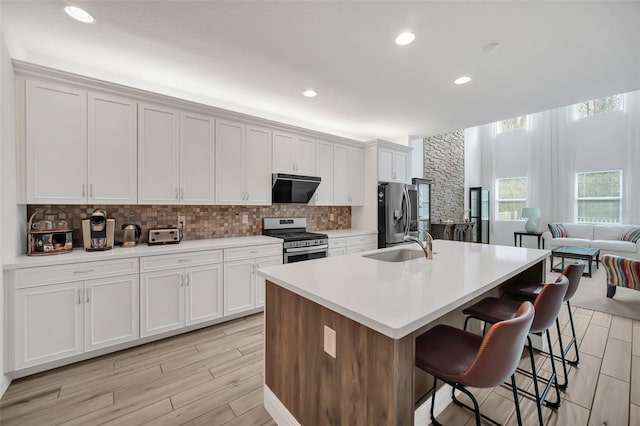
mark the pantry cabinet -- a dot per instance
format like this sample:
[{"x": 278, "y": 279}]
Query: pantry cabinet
[
  {"x": 73, "y": 139},
  {"x": 324, "y": 169},
  {"x": 197, "y": 150},
  {"x": 243, "y": 164},
  {"x": 348, "y": 176},
  {"x": 293, "y": 154}
]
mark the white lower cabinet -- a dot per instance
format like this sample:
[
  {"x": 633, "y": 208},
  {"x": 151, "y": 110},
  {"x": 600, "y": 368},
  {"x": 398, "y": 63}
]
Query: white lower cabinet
[
  {"x": 243, "y": 288},
  {"x": 175, "y": 298},
  {"x": 61, "y": 320},
  {"x": 353, "y": 244}
]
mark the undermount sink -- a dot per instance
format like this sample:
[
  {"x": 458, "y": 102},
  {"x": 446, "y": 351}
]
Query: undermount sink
[{"x": 402, "y": 255}]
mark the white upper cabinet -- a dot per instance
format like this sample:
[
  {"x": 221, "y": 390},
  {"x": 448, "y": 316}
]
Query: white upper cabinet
[
  {"x": 348, "y": 176},
  {"x": 293, "y": 154},
  {"x": 197, "y": 159},
  {"x": 243, "y": 166},
  {"x": 394, "y": 165},
  {"x": 80, "y": 147},
  {"x": 56, "y": 144},
  {"x": 112, "y": 150},
  {"x": 158, "y": 155},
  {"x": 324, "y": 169}
]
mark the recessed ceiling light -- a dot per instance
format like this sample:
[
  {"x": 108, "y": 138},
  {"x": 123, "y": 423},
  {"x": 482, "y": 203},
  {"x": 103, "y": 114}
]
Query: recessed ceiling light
[
  {"x": 310, "y": 93},
  {"x": 490, "y": 47},
  {"x": 79, "y": 14},
  {"x": 462, "y": 80},
  {"x": 405, "y": 38}
]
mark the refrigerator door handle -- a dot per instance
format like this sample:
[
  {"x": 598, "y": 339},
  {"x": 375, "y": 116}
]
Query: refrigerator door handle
[{"x": 407, "y": 211}]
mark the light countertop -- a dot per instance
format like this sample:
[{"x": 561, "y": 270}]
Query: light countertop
[
  {"x": 396, "y": 299},
  {"x": 339, "y": 233},
  {"x": 141, "y": 250}
]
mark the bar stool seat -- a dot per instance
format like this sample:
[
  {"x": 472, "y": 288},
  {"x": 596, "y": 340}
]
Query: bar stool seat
[
  {"x": 493, "y": 309},
  {"x": 461, "y": 359}
]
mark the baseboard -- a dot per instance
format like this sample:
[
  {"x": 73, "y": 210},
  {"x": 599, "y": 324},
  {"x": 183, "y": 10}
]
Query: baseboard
[{"x": 422, "y": 415}]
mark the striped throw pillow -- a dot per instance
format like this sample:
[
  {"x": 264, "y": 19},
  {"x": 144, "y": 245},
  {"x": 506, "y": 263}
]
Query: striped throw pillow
[
  {"x": 557, "y": 230},
  {"x": 633, "y": 235}
]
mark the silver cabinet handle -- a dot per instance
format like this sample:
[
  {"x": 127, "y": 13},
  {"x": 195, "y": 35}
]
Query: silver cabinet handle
[
  {"x": 187, "y": 277},
  {"x": 177, "y": 193},
  {"x": 83, "y": 188},
  {"x": 182, "y": 193},
  {"x": 87, "y": 298},
  {"x": 184, "y": 260},
  {"x": 246, "y": 199},
  {"x": 91, "y": 190},
  {"x": 181, "y": 280},
  {"x": 79, "y": 298},
  {"x": 83, "y": 271}
]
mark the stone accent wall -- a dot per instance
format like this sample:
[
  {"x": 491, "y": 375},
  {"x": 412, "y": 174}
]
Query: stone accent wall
[
  {"x": 202, "y": 222},
  {"x": 444, "y": 163}
]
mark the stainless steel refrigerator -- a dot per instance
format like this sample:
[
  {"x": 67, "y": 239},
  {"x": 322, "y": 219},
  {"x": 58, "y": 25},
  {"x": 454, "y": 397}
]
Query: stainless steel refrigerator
[{"x": 397, "y": 213}]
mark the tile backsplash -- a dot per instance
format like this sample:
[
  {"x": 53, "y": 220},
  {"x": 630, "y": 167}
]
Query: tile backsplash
[{"x": 202, "y": 222}]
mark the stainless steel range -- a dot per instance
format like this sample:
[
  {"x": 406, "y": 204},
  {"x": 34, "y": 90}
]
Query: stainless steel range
[{"x": 298, "y": 244}]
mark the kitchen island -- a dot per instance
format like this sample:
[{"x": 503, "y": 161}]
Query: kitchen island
[{"x": 376, "y": 309}]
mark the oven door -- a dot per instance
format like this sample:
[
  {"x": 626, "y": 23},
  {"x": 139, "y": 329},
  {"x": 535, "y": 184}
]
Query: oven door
[{"x": 299, "y": 254}]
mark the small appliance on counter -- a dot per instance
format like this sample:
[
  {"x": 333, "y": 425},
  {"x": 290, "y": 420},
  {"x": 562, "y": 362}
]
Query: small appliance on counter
[
  {"x": 50, "y": 235},
  {"x": 130, "y": 234},
  {"x": 98, "y": 231},
  {"x": 169, "y": 235}
]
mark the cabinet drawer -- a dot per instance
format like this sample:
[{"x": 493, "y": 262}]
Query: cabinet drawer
[
  {"x": 169, "y": 261},
  {"x": 362, "y": 239},
  {"x": 361, "y": 248},
  {"x": 33, "y": 277},
  {"x": 337, "y": 242},
  {"x": 252, "y": 252}
]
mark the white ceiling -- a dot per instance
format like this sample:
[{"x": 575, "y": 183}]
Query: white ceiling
[{"x": 257, "y": 57}]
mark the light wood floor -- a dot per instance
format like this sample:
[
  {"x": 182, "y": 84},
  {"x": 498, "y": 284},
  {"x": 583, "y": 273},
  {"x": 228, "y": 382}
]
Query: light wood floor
[{"x": 214, "y": 377}]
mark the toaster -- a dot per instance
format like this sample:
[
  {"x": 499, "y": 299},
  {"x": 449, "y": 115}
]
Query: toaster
[{"x": 164, "y": 236}]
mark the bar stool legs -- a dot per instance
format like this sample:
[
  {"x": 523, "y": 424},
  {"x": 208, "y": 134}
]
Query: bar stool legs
[{"x": 573, "y": 342}]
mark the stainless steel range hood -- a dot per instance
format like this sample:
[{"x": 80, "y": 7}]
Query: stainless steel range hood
[{"x": 293, "y": 189}]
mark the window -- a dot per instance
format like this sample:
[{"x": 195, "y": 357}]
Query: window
[
  {"x": 599, "y": 196},
  {"x": 599, "y": 106},
  {"x": 511, "y": 196},
  {"x": 515, "y": 123}
]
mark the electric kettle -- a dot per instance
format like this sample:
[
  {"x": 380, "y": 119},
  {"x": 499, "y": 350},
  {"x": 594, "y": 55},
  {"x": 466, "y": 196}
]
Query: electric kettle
[{"x": 130, "y": 234}]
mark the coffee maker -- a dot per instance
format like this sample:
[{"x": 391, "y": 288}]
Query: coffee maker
[{"x": 98, "y": 231}]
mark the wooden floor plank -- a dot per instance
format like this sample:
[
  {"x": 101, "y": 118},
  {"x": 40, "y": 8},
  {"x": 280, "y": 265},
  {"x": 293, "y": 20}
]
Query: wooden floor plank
[
  {"x": 636, "y": 338},
  {"x": 595, "y": 340},
  {"x": 257, "y": 416},
  {"x": 621, "y": 328},
  {"x": 612, "y": 402},
  {"x": 601, "y": 319},
  {"x": 114, "y": 380},
  {"x": 617, "y": 360},
  {"x": 227, "y": 367},
  {"x": 635, "y": 380},
  {"x": 634, "y": 414},
  {"x": 142, "y": 415},
  {"x": 583, "y": 380},
  {"x": 568, "y": 414},
  {"x": 217, "y": 416},
  {"x": 247, "y": 402}
]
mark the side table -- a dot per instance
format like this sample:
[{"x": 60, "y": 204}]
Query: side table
[{"x": 517, "y": 238}]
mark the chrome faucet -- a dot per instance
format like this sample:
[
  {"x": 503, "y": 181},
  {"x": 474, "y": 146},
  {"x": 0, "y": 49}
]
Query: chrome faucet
[{"x": 426, "y": 246}]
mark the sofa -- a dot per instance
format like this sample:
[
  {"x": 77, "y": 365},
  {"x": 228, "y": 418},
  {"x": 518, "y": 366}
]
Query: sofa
[
  {"x": 608, "y": 238},
  {"x": 621, "y": 272}
]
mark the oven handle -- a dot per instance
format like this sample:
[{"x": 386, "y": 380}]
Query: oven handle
[{"x": 311, "y": 249}]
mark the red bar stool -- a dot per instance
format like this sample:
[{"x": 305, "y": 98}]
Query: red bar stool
[
  {"x": 460, "y": 358},
  {"x": 529, "y": 291},
  {"x": 547, "y": 305}
]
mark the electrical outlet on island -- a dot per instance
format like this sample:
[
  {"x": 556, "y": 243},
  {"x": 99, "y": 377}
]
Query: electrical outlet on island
[{"x": 330, "y": 341}]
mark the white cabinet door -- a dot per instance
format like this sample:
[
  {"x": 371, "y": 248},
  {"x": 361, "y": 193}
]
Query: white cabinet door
[
  {"x": 283, "y": 153},
  {"x": 230, "y": 162},
  {"x": 305, "y": 156},
  {"x": 324, "y": 169},
  {"x": 385, "y": 165},
  {"x": 111, "y": 313},
  {"x": 203, "y": 293},
  {"x": 341, "y": 188},
  {"x": 356, "y": 176},
  {"x": 257, "y": 166},
  {"x": 56, "y": 144},
  {"x": 239, "y": 286},
  {"x": 48, "y": 323},
  {"x": 340, "y": 251},
  {"x": 401, "y": 167},
  {"x": 158, "y": 155},
  {"x": 161, "y": 301},
  {"x": 112, "y": 150},
  {"x": 196, "y": 159},
  {"x": 260, "y": 281}
]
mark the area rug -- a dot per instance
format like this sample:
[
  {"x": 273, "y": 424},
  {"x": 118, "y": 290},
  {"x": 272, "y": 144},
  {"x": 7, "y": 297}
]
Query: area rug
[{"x": 592, "y": 294}]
